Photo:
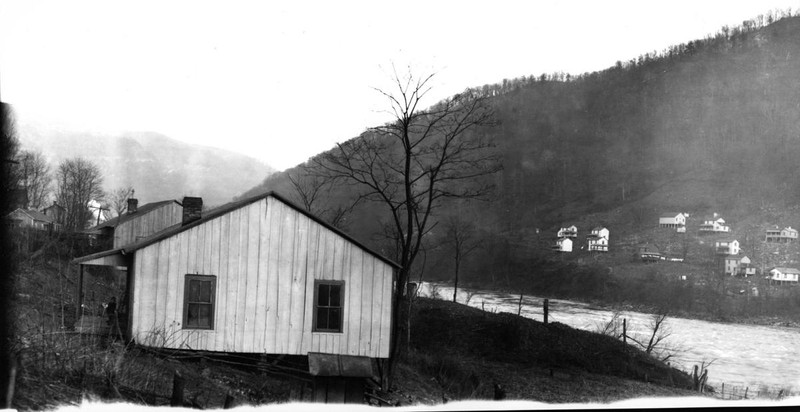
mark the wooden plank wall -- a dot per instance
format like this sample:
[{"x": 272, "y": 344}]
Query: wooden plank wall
[
  {"x": 130, "y": 231},
  {"x": 266, "y": 257}
]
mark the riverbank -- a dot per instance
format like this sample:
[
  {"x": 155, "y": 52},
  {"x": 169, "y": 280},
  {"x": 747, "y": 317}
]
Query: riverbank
[{"x": 759, "y": 320}]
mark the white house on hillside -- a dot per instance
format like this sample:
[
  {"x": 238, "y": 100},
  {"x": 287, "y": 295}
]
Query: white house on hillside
[
  {"x": 784, "y": 275},
  {"x": 735, "y": 265},
  {"x": 672, "y": 220},
  {"x": 727, "y": 247},
  {"x": 776, "y": 234},
  {"x": 714, "y": 224},
  {"x": 571, "y": 231},
  {"x": 598, "y": 240},
  {"x": 563, "y": 244}
]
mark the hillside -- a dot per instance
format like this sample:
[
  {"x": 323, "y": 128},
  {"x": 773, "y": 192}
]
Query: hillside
[
  {"x": 711, "y": 125},
  {"x": 157, "y": 166}
]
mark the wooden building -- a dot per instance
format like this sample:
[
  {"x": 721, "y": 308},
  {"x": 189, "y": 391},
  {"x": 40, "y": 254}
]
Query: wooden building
[
  {"x": 784, "y": 275},
  {"x": 598, "y": 240},
  {"x": 30, "y": 218},
  {"x": 727, "y": 247},
  {"x": 672, "y": 220},
  {"x": 714, "y": 224},
  {"x": 570, "y": 231},
  {"x": 256, "y": 276},
  {"x": 57, "y": 214},
  {"x": 776, "y": 234},
  {"x": 563, "y": 244},
  {"x": 138, "y": 223}
]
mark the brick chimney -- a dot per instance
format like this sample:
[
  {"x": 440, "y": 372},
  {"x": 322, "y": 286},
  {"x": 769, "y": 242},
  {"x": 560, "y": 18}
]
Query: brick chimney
[
  {"x": 192, "y": 209},
  {"x": 132, "y": 205}
]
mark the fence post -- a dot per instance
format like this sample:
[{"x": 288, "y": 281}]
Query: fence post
[
  {"x": 745, "y": 392},
  {"x": 723, "y": 390},
  {"x": 519, "y": 309},
  {"x": 624, "y": 331},
  {"x": 177, "y": 389},
  {"x": 546, "y": 310},
  {"x": 228, "y": 401}
]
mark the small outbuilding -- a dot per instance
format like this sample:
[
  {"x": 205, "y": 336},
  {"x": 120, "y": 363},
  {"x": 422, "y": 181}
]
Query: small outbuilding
[{"x": 138, "y": 223}]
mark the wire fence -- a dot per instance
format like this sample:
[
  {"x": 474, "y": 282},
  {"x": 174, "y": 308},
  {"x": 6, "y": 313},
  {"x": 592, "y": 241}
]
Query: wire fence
[{"x": 764, "y": 392}]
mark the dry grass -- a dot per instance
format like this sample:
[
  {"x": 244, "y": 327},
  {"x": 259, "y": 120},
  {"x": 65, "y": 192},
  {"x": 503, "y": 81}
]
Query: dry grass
[{"x": 462, "y": 352}]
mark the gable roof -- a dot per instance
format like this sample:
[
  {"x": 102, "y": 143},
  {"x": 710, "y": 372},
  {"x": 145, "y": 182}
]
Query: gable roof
[
  {"x": 222, "y": 210},
  {"x": 34, "y": 214},
  {"x": 116, "y": 221},
  {"x": 786, "y": 270},
  {"x": 54, "y": 205},
  {"x": 671, "y": 214}
]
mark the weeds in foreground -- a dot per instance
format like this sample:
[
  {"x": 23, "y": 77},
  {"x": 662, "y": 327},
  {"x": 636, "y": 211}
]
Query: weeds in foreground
[{"x": 457, "y": 378}]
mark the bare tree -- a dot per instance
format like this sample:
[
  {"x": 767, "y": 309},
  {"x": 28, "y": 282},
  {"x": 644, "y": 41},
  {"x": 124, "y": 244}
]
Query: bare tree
[
  {"x": 658, "y": 332},
  {"x": 78, "y": 182},
  {"x": 460, "y": 236},
  {"x": 314, "y": 193},
  {"x": 410, "y": 164},
  {"x": 117, "y": 200},
  {"x": 34, "y": 177}
]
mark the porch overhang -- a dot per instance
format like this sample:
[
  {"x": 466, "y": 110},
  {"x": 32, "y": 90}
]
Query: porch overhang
[{"x": 113, "y": 257}]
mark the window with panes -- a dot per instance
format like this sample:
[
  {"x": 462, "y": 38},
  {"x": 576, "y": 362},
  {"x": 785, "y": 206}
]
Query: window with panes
[
  {"x": 198, "y": 302},
  {"x": 328, "y": 306}
]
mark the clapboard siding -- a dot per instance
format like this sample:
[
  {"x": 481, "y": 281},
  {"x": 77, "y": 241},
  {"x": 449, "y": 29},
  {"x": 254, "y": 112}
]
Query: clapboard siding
[
  {"x": 266, "y": 256},
  {"x": 138, "y": 227}
]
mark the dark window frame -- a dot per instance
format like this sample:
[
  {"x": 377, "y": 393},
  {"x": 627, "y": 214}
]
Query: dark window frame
[
  {"x": 186, "y": 302},
  {"x": 317, "y": 284}
]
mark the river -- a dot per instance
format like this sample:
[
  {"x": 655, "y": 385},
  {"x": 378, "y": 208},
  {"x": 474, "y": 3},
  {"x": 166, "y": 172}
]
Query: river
[{"x": 743, "y": 355}]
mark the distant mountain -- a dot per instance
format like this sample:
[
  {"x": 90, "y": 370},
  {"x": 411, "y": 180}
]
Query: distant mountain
[{"x": 158, "y": 167}]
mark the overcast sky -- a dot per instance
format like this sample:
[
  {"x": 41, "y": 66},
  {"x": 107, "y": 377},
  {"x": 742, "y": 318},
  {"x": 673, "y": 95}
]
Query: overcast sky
[{"x": 284, "y": 80}]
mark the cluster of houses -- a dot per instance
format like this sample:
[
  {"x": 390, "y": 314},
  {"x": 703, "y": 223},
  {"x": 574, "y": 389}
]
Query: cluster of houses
[
  {"x": 734, "y": 264},
  {"x": 596, "y": 240},
  {"x": 50, "y": 218}
]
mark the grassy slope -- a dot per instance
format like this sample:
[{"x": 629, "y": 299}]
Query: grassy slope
[{"x": 467, "y": 351}]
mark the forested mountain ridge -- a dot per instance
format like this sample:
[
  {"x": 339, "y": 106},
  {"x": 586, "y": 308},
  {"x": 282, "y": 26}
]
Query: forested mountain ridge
[{"x": 712, "y": 125}]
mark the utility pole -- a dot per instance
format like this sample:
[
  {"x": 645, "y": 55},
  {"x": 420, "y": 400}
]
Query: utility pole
[{"x": 100, "y": 210}]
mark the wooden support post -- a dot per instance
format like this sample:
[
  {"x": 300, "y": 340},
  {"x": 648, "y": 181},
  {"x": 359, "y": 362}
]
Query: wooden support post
[
  {"x": 79, "y": 294},
  {"x": 546, "y": 309},
  {"x": 228, "y": 401},
  {"x": 745, "y": 392},
  {"x": 519, "y": 309},
  {"x": 723, "y": 390},
  {"x": 177, "y": 390},
  {"x": 625, "y": 331},
  {"x": 12, "y": 379}
]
